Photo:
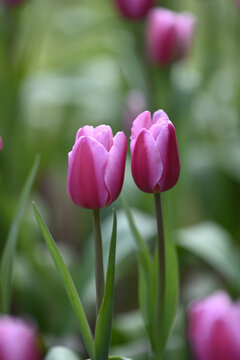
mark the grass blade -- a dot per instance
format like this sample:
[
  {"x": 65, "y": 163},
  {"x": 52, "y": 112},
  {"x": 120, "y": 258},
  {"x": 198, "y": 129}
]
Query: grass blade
[
  {"x": 68, "y": 283},
  {"x": 10, "y": 245},
  {"x": 104, "y": 321},
  {"x": 145, "y": 282}
]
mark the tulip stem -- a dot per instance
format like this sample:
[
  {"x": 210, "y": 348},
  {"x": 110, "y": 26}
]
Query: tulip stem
[
  {"x": 99, "y": 269},
  {"x": 161, "y": 267}
]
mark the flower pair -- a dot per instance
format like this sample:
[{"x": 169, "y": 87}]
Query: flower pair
[{"x": 97, "y": 160}]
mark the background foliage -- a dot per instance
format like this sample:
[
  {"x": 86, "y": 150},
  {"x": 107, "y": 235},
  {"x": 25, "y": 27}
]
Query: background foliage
[{"x": 64, "y": 64}]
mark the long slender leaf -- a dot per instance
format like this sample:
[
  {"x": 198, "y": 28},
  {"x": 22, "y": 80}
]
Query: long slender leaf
[
  {"x": 145, "y": 282},
  {"x": 10, "y": 245},
  {"x": 104, "y": 321},
  {"x": 61, "y": 353},
  {"x": 172, "y": 281},
  {"x": 172, "y": 288},
  {"x": 68, "y": 283}
]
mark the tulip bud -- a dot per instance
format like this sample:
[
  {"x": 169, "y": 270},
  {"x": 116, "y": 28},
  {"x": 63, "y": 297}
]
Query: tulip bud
[
  {"x": 155, "y": 160},
  {"x": 96, "y": 166},
  {"x": 18, "y": 340},
  {"x": 1, "y": 143},
  {"x": 134, "y": 9},
  {"x": 214, "y": 328},
  {"x": 168, "y": 35}
]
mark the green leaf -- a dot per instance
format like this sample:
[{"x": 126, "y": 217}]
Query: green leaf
[
  {"x": 10, "y": 245},
  {"x": 61, "y": 353},
  {"x": 146, "y": 288},
  {"x": 211, "y": 243},
  {"x": 172, "y": 277},
  {"x": 172, "y": 288},
  {"x": 68, "y": 283},
  {"x": 104, "y": 321}
]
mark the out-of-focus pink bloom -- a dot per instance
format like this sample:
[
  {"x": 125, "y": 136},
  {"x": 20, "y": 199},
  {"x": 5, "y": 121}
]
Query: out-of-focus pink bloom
[
  {"x": 134, "y": 9},
  {"x": 12, "y": 2},
  {"x": 18, "y": 340},
  {"x": 1, "y": 143},
  {"x": 238, "y": 3},
  {"x": 214, "y": 328},
  {"x": 168, "y": 35},
  {"x": 135, "y": 103},
  {"x": 155, "y": 160},
  {"x": 96, "y": 166}
]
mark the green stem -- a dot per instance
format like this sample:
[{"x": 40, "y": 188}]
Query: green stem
[
  {"x": 99, "y": 269},
  {"x": 161, "y": 268}
]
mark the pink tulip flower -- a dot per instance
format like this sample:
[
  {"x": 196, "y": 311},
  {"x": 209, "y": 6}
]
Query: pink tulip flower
[
  {"x": 168, "y": 35},
  {"x": 154, "y": 151},
  {"x": 214, "y": 328},
  {"x": 18, "y": 340},
  {"x": 134, "y": 9},
  {"x": 96, "y": 166},
  {"x": 1, "y": 143}
]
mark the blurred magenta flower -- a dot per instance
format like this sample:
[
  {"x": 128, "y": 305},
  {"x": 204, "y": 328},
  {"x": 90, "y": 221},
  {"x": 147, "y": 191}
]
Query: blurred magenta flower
[
  {"x": 18, "y": 340},
  {"x": 214, "y": 328},
  {"x": 96, "y": 166},
  {"x": 238, "y": 3},
  {"x": 168, "y": 35},
  {"x": 1, "y": 143},
  {"x": 134, "y": 9},
  {"x": 154, "y": 151}
]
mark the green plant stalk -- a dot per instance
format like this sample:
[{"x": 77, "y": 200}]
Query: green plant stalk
[
  {"x": 99, "y": 269},
  {"x": 161, "y": 270}
]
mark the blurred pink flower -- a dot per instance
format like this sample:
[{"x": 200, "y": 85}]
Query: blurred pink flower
[
  {"x": 238, "y": 3},
  {"x": 134, "y": 9},
  {"x": 214, "y": 328},
  {"x": 168, "y": 35},
  {"x": 1, "y": 143},
  {"x": 96, "y": 166},
  {"x": 18, "y": 340},
  {"x": 154, "y": 151}
]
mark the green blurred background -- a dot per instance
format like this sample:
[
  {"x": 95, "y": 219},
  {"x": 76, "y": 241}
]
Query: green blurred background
[{"x": 65, "y": 64}]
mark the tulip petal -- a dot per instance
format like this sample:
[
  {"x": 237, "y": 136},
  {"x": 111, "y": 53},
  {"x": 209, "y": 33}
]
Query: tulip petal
[
  {"x": 86, "y": 130},
  {"x": 147, "y": 166},
  {"x": 103, "y": 134},
  {"x": 114, "y": 173},
  {"x": 167, "y": 146},
  {"x": 87, "y": 162},
  {"x": 160, "y": 115},
  {"x": 142, "y": 121}
]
